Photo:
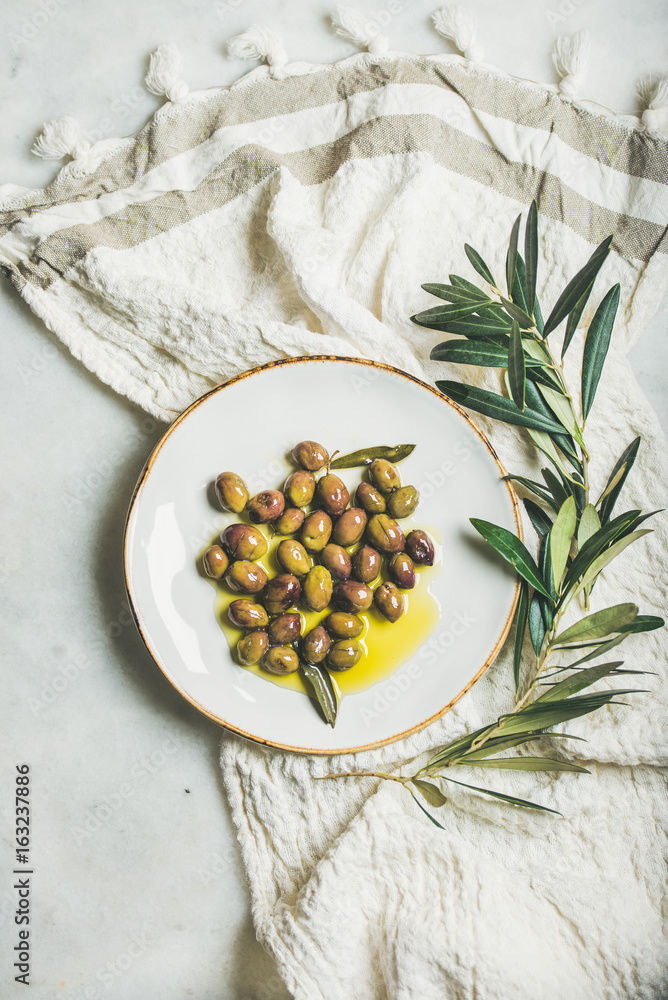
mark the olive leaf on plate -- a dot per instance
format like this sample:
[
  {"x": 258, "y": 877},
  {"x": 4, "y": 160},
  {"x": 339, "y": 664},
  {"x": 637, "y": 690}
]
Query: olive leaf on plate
[{"x": 365, "y": 456}]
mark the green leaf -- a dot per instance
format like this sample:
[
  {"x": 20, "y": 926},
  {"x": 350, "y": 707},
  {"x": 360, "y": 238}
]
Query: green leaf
[
  {"x": 601, "y": 648},
  {"x": 538, "y": 517},
  {"x": 534, "y": 487},
  {"x": 538, "y": 716},
  {"x": 427, "y": 814},
  {"x": 612, "y": 482},
  {"x": 643, "y": 623},
  {"x": 537, "y": 628},
  {"x": 479, "y": 327},
  {"x": 512, "y": 549},
  {"x": 545, "y": 443},
  {"x": 596, "y": 347},
  {"x": 525, "y": 321},
  {"x": 396, "y": 453},
  {"x": 531, "y": 253},
  {"x": 561, "y": 537},
  {"x": 495, "y": 406},
  {"x": 466, "y": 352},
  {"x": 520, "y": 627},
  {"x": 497, "y": 745},
  {"x": 435, "y": 318},
  {"x": 429, "y": 792},
  {"x": 323, "y": 689},
  {"x": 600, "y": 624},
  {"x": 451, "y": 293},
  {"x": 511, "y": 257},
  {"x": 516, "y": 367},
  {"x": 577, "y": 286},
  {"x": 627, "y": 458},
  {"x": 528, "y": 764},
  {"x": 555, "y": 487},
  {"x": 574, "y": 318},
  {"x": 467, "y": 285},
  {"x": 578, "y": 681},
  {"x": 606, "y": 557},
  {"x": 519, "y": 295},
  {"x": 589, "y": 524},
  {"x": 479, "y": 265},
  {"x": 562, "y": 409},
  {"x": 545, "y": 569},
  {"x": 505, "y": 798},
  {"x": 598, "y": 542},
  {"x": 536, "y": 402}
]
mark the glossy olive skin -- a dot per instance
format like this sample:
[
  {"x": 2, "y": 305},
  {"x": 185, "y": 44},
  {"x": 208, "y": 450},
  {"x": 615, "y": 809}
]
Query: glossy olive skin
[
  {"x": 252, "y": 647},
  {"x": 370, "y": 499},
  {"x": 316, "y": 531},
  {"x": 366, "y": 564},
  {"x": 343, "y": 626},
  {"x": 352, "y": 596},
  {"x": 317, "y": 589},
  {"x": 350, "y": 526},
  {"x": 231, "y": 492},
  {"x": 337, "y": 561},
  {"x": 281, "y": 593},
  {"x": 247, "y": 614},
  {"x": 285, "y": 629},
  {"x": 402, "y": 571},
  {"x": 403, "y": 501},
  {"x": 300, "y": 487},
  {"x": 245, "y": 577},
  {"x": 310, "y": 455},
  {"x": 293, "y": 557},
  {"x": 281, "y": 660},
  {"x": 389, "y": 601},
  {"x": 289, "y": 522},
  {"x": 420, "y": 547},
  {"x": 384, "y": 476},
  {"x": 344, "y": 654},
  {"x": 242, "y": 541},
  {"x": 332, "y": 494},
  {"x": 385, "y": 534},
  {"x": 315, "y": 645},
  {"x": 266, "y": 506},
  {"x": 215, "y": 562}
]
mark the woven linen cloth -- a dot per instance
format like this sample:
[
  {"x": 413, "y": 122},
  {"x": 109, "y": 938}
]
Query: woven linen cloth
[{"x": 299, "y": 212}]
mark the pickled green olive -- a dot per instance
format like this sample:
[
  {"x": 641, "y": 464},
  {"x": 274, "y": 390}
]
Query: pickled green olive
[
  {"x": 242, "y": 541},
  {"x": 389, "y": 601},
  {"x": 252, "y": 647},
  {"x": 343, "y": 626},
  {"x": 352, "y": 596},
  {"x": 370, "y": 499},
  {"x": 337, "y": 561},
  {"x": 344, "y": 654},
  {"x": 310, "y": 455},
  {"x": 317, "y": 590},
  {"x": 281, "y": 593},
  {"x": 403, "y": 501},
  {"x": 215, "y": 562},
  {"x": 266, "y": 506},
  {"x": 289, "y": 522},
  {"x": 285, "y": 629},
  {"x": 231, "y": 492},
  {"x": 315, "y": 645},
  {"x": 247, "y": 614},
  {"x": 385, "y": 534},
  {"x": 293, "y": 557},
  {"x": 246, "y": 577},
  {"x": 316, "y": 531},
  {"x": 402, "y": 571},
  {"x": 366, "y": 564},
  {"x": 420, "y": 547},
  {"x": 332, "y": 494},
  {"x": 349, "y": 528},
  {"x": 281, "y": 660},
  {"x": 300, "y": 487},
  {"x": 384, "y": 476}
]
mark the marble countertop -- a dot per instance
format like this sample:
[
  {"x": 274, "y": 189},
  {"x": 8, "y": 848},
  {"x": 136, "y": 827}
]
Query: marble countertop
[{"x": 138, "y": 887}]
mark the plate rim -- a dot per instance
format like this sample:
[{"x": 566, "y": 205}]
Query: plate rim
[{"x": 146, "y": 470}]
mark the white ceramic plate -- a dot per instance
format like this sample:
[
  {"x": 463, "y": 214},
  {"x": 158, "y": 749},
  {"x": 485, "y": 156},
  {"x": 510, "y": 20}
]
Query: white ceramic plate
[{"x": 249, "y": 425}]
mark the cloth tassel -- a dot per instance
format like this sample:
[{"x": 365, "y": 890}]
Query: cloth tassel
[
  {"x": 653, "y": 92},
  {"x": 571, "y": 61},
  {"x": 350, "y": 24},
  {"x": 163, "y": 77},
  {"x": 59, "y": 138},
  {"x": 459, "y": 28},
  {"x": 262, "y": 44}
]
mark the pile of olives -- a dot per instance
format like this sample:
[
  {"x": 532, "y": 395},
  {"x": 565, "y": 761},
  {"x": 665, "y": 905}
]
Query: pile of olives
[{"x": 330, "y": 557}]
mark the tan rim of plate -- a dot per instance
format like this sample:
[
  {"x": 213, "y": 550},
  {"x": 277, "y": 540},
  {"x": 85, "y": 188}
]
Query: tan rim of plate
[{"x": 146, "y": 472}]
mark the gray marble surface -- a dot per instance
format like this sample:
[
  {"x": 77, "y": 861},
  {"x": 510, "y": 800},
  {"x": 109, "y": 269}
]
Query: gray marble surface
[{"x": 138, "y": 888}]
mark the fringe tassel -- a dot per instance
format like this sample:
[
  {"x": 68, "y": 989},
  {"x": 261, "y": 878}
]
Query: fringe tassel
[
  {"x": 163, "y": 77},
  {"x": 653, "y": 92},
  {"x": 459, "y": 28},
  {"x": 59, "y": 138},
  {"x": 571, "y": 61},
  {"x": 350, "y": 24},
  {"x": 262, "y": 44}
]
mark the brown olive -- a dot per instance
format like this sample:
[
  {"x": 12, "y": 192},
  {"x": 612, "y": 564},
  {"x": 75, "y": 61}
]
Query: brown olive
[
  {"x": 247, "y": 614},
  {"x": 285, "y": 629},
  {"x": 350, "y": 527},
  {"x": 300, "y": 487},
  {"x": 343, "y": 626},
  {"x": 370, "y": 499},
  {"x": 231, "y": 491},
  {"x": 403, "y": 501},
  {"x": 242, "y": 541},
  {"x": 315, "y": 645},
  {"x": 317, "y": 591},
  {"x": 420, "y": 547},
  {"x": 252, "y": 647},
  {"x": 310, "y": 455},
  {"x": 281, "y": 660},
  {"x": 281, "y": 593},
  {"x": 245, "y": 577},
  {"x": 332, "y": 494},
  {"x": 344, "y": 654},
  {"x": 316, "y": 530},
  {"x": 385, "y": 534},
  {"x": 352, "y": 596},
  {"x": 293, "y": 557},
  {"x": 402, "y": 571},
  {"x": 366, "y": 564},
  {"x": 389, "y": 601},
  {"x": 289, "y": 522},
  {"x": 384, "y": 475},
  {"x": 337, "y": 561},
  {"x": 215, "y": 562},
  {"x": 266, "y": 506}
]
